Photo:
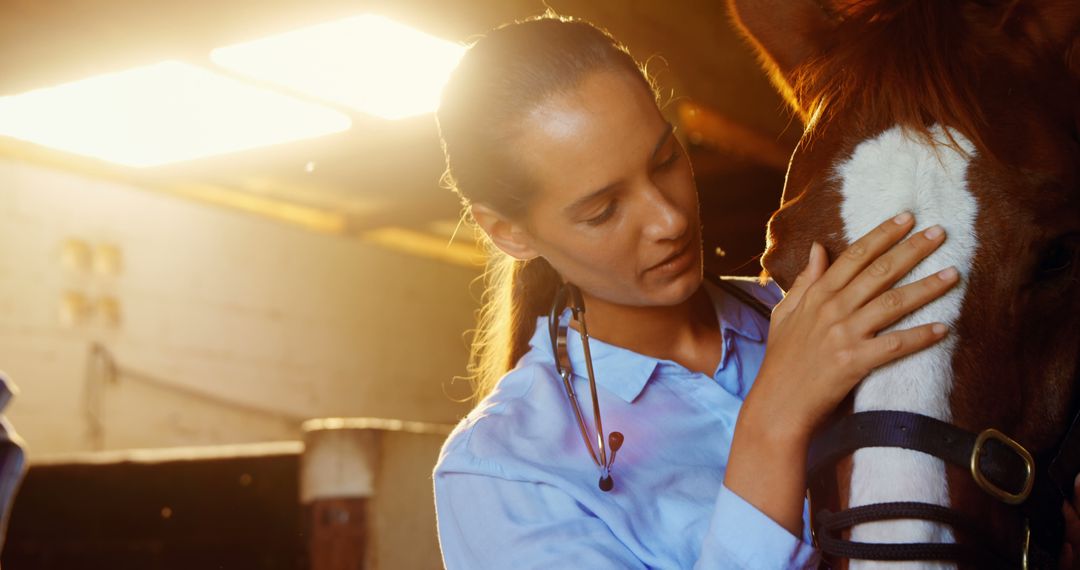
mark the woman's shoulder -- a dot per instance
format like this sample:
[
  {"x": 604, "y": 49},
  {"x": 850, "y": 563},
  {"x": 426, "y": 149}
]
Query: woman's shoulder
[
  {"x": 510, "y": 424},
  {"x": 766, "y": 291}
]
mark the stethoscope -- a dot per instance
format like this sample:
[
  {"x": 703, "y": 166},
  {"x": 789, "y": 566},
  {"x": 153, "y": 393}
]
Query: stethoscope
[{"x": 569, "y": 294}]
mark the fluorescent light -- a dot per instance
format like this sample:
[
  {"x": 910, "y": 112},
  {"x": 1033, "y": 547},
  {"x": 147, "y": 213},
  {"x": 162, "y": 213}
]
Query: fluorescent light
[
  {"x": 161, "y": 113},
  {"x": 368, "y": 63}
]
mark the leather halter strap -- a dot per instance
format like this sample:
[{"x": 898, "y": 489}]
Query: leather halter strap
[
  {"x": 829, "y": 523},
  {"x": 997, "y": 461}
]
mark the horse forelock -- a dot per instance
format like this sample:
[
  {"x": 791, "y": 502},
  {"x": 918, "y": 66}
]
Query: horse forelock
[{"x": 920, "y": 63}]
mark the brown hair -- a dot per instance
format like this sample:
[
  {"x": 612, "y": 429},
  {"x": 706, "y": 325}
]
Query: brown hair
[{"x": 503, "y": 76}]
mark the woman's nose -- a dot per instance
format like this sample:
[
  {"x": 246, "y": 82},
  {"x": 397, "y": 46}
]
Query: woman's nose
[{"x": 666, "y": 219}]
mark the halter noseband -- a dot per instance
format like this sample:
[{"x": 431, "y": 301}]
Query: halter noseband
[{"x": 999, "y": 466}]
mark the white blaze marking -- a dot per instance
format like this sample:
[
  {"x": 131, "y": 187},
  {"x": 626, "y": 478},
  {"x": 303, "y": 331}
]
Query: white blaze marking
[{"x": 884, "y": 176}]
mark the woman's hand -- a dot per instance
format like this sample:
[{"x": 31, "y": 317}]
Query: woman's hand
[
  {"x": 1069, "y": 559},
  {"x": 823, "y": 340}
]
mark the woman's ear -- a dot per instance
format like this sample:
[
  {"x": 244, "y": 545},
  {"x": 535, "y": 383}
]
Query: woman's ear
[{"x": 507, "y": 235}]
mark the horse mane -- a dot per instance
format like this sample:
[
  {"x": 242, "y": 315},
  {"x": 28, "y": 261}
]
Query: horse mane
[{"x": 908, "y": 62}]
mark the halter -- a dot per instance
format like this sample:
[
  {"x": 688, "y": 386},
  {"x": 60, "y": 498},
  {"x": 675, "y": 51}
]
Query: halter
[{"x": 999, "y": 466}]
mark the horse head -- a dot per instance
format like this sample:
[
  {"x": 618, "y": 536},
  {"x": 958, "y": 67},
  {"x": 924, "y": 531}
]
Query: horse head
[{"x": 966, "y": 114}]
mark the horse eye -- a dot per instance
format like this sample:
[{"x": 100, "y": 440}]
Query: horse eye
[{"x": 1055, "y": 259}]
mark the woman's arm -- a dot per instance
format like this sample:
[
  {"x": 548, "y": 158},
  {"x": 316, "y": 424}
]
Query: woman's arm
[{"x": 823, "y": 340}]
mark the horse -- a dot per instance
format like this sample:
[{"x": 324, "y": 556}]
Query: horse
[{"x": 965, "y": 113}]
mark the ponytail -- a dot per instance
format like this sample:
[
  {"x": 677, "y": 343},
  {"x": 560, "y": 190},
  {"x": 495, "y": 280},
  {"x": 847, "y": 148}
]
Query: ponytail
[{"x": 516, "y": 293}]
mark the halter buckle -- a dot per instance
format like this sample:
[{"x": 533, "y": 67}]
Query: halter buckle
[{"x": 997, "y": 492}]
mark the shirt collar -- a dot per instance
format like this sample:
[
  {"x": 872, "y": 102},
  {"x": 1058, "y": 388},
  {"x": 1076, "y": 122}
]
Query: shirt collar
[
  {"x": 734, "y": 316},
  {"x": 618, "y": 370},
  {"x": 624, "y": 372}
]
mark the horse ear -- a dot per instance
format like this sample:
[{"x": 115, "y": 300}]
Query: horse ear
[
  {"x": 785, "y": 33},
  {"x": 1052, "y": 23}
]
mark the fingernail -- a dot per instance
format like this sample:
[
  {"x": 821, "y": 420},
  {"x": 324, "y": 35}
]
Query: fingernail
[
  {"x": 933, "y": 232},
  {"x": 948, "y": 274},
  {"x": 902, "y": 218},
  {"x": 939, "y": 329},
  {"x": 813, "y": 252}
]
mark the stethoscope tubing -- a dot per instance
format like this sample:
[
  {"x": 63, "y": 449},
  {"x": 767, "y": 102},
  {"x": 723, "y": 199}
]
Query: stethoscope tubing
[{"x": 570, "y": 293}]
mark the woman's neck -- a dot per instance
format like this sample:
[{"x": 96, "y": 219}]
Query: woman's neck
[{"x": 687, "y": 333}]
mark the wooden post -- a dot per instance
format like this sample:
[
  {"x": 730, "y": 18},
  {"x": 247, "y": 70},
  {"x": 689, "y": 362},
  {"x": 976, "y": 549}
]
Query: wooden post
[{"x": 337, "y": 484}]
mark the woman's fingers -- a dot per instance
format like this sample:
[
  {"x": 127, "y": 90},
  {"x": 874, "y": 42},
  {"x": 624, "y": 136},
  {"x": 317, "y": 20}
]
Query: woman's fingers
[
  {"x": 888, "y": 268},
  {"x": 893, "y": 304},
  {"x": 816, "y": 265},
  {"x": 891, "y": 346},
  {"x": 865, "y": 250}
]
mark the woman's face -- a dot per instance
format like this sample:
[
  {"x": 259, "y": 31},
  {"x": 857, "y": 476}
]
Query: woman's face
[{"x": 615, "y": 210}]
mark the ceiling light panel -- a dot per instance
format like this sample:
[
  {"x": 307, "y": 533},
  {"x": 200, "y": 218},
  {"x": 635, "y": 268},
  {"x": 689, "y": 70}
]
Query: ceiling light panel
[
  {"x": 162, "y": 113},
  {"x": 368, "y": 63}
]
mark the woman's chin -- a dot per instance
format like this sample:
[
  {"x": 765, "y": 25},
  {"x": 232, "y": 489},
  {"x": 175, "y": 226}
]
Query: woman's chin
[{"x": 679, "y": 288}]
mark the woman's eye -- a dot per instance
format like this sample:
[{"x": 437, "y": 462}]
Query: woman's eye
[{"x": 603, "y": 216}]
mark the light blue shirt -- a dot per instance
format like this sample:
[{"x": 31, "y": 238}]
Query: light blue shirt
[{"x": 515, "y": 486}]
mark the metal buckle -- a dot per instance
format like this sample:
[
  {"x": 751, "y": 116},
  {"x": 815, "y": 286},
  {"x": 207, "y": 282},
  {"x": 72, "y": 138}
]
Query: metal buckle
[{"x": 994, "y": 490}]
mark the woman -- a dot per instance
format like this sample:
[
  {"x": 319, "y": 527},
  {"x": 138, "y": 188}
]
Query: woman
[{"x": 555, "y": 142}]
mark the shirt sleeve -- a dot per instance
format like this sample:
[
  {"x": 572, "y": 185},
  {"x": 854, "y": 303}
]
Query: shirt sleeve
[
  {"x": 741, "y": 536},
  {"x": 490, "y": 522}
]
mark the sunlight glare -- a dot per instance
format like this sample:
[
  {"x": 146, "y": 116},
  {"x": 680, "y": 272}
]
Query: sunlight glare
[
  {"x": 368, "y": 63},
  {"x": 161, "y": 113}
]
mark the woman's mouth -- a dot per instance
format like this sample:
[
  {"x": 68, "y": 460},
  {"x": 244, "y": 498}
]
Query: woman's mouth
[{"x": 675, "y": 263}]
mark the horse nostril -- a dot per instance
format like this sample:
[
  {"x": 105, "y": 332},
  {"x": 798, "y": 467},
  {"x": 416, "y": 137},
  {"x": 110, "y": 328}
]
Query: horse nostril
[{"x": 786, "y": 254}]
